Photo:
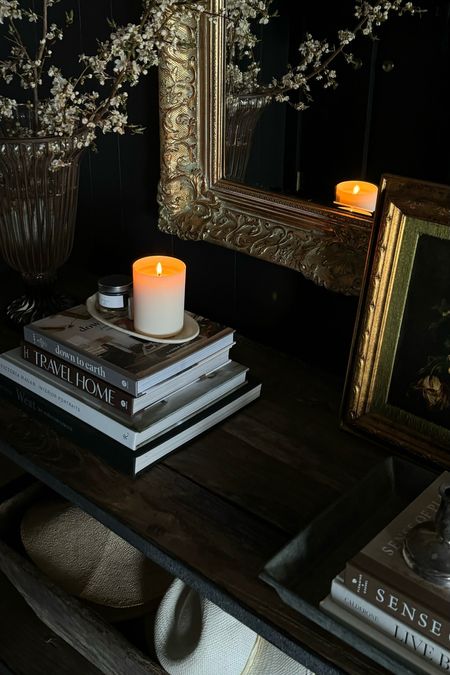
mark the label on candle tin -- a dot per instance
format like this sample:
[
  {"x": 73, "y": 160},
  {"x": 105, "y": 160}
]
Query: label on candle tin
[{"x": 112, "y": 301}]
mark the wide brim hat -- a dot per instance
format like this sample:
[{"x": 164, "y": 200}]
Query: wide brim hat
[
  {"x": 193, "y": 636},
  {"x": 89, "y": 561}
]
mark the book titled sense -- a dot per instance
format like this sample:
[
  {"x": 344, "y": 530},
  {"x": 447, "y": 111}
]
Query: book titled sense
[
  {"x": 112, "y": 395},
  {"x": 113, "y": 453},
  {"x": 127, "y": 362},
  {"x": 142, "y": 427}
]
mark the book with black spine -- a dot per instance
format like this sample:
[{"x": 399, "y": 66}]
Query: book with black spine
[
  {"x": 115, "y": 454},
  {"x": 112, "y": 395},
  {"x": 130, "y": 431},
  {"x": 130, "y": 363}
]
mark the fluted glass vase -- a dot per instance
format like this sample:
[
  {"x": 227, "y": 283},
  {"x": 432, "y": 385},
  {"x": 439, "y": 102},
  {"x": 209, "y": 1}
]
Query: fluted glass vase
[
  {"x": 38, "y": 204},
  {"x": 242, "y": 116}
]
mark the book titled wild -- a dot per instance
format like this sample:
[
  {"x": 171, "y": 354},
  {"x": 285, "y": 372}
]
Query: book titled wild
[{"x": 131, "y": 462}]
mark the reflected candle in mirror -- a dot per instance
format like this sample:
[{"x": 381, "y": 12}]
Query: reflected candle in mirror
[
  {"x": 357, "y": 194},
  {"x": 158, "y": 295}
]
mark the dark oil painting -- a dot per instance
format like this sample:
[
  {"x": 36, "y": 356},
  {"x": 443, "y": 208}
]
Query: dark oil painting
[{"x": 420, "y": 382}]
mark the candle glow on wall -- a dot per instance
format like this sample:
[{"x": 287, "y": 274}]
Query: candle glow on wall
[
  {"x": 357, "y": 195},
  {"x": 158, "y": 295}
]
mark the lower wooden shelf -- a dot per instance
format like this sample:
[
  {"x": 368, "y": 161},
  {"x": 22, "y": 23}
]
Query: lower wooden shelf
[{"x": 61, "y": 633}]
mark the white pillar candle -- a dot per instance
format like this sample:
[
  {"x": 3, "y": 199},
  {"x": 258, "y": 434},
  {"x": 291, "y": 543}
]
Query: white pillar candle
[
  {"x": 357, "y": 194},
  {"x": 158, "y": 295}
]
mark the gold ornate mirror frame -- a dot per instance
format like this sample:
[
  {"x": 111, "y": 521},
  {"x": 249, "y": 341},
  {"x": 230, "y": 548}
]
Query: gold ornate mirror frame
[{"x": 326, "y": 245}]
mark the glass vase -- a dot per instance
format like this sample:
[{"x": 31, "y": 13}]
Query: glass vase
[
  {"x": 426, "y": 547},
  {"x": 38, "y": 204},
  {"x": 243, "y": 113}
]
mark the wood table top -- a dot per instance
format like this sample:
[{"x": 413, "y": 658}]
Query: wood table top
[{"x": 216, "y": 511}]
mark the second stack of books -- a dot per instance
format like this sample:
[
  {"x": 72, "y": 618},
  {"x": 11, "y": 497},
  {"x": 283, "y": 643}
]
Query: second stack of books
[
  {"x": 381, "y": 597},
  {"x": 131, "y": 400}
]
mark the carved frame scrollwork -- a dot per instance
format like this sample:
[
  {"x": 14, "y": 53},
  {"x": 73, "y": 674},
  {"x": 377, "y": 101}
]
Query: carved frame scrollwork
[{"x": 326, "y": 245}]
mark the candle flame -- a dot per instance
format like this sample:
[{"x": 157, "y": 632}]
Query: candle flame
[
  {"x": 158, "y": 269},
  {"x": 356, "y": 189}
]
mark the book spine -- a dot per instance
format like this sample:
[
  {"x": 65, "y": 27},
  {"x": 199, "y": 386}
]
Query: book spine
[
  {"x": 409, "y": 610},
  {"x": 88, "y": 384},
  {"x": 67, "y": 425},
  {"x": 403, "y": 579},
  {"x": 204, "y": 420},
  {"x": 70, "y": 404},
  {"x": 83, "y": 361},
  {"x": 389, "y": 646},
  {"x": 373, "y": 616}
]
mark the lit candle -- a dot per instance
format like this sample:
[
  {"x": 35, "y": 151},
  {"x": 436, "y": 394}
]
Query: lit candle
[
  {"x": 357, "y": 195},
  {"x": 158, "y": 295}
]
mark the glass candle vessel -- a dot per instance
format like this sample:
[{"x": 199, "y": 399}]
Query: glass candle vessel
[
  {"x": 158, "y": 295},
  {"x": 357, "y": 195}
]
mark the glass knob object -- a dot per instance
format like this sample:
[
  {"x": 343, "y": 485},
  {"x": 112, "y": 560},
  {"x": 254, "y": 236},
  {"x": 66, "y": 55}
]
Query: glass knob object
[{"x": 426, "y": 547}]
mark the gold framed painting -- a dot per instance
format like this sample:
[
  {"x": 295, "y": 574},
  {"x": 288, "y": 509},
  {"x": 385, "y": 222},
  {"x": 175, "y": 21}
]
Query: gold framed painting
[{"x": 398, "y": 382}]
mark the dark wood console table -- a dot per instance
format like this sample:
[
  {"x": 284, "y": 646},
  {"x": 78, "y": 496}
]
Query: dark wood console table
[{"x": 216, "y": 511}]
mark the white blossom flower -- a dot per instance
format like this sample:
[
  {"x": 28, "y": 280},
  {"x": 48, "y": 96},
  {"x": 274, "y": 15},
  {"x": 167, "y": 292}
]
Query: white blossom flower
[
  {"x": 95, "y": 99},
  {"x": 315, "y": 56}
]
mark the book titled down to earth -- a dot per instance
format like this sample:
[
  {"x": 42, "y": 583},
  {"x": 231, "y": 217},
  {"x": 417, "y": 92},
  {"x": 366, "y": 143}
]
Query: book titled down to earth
[{"x": 125, "y": 361}]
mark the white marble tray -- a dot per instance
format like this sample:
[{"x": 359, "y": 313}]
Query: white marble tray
[{"x": 189, "y": 331}]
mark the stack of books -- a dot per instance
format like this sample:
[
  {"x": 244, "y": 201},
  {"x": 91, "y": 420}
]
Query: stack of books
[
  {"x": 130, "y": 400},
  {"x": 381, "y": 597}
]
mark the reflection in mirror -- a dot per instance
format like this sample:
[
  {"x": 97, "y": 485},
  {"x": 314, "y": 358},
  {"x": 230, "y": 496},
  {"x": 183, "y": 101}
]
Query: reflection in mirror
[
  {"x": 386, "y": 115},
  {"x": 289, "y": 217}
]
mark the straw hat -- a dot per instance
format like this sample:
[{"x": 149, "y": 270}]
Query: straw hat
[
  {"x": 193, "y": 636},
  {"x": 89, "y": 561}
]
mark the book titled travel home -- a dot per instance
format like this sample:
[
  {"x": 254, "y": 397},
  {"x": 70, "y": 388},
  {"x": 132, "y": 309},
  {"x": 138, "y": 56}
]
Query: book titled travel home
[
  {"x": 127, "y": 362},
  {"x": 378, "y": 573},
  {"x": 113, "y": 396},
  {"x": 130, "y": 431},
  {"x": 117, "y": 455}
]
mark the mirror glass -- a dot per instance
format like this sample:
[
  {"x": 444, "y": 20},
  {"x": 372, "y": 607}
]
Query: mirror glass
[
  {"x": 387, "y": 116},
  {"x": 388, "y": 113}
]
